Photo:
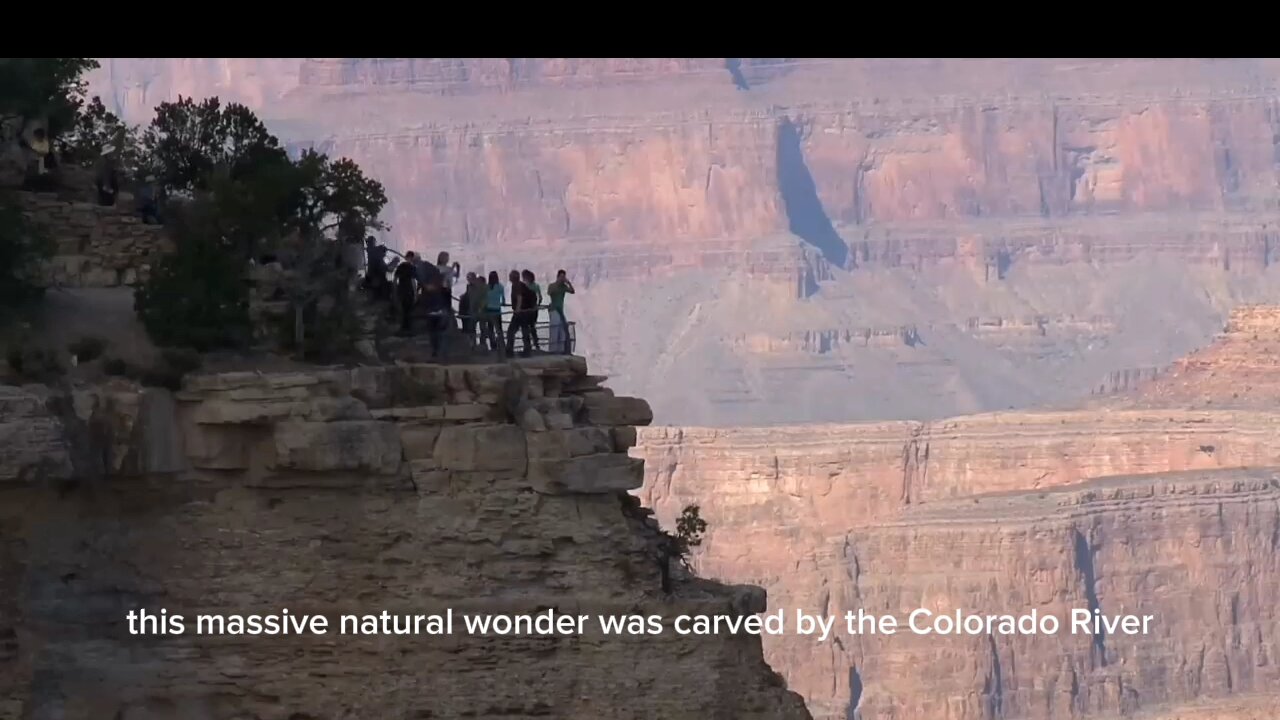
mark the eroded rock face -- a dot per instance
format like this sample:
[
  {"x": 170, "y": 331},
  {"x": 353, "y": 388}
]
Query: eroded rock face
[
  {"x": 409, "y": 489},
  {"x": 812, "y": 510},
  {"x": 1138, "y": 504},
  {"x": 1193, "y": 551},
  {"x": 1239, "y": 369}
]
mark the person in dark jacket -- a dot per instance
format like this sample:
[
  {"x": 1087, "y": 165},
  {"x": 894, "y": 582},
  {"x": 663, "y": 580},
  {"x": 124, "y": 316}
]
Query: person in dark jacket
[
  {"x": 437, "y": 305},
  {"x": 471, "y": 307},
  {"x": 527, "y": 277},
  {"x": 406, "y": 278},
  {"x": 375, "y": 267},
  {"x": 524, "y": 305},
  {"x": 148, "y": 201}
]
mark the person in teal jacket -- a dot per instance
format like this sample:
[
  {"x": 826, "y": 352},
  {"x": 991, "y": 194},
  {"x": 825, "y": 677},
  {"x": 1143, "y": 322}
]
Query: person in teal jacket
[{"x": 491, "y": 321}]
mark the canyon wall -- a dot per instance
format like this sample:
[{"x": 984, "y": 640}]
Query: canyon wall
[
  {"x": 412, "y": 489},
  {"x": 1142, "y": 503},
  {"x": 637, "y": 156},
  {"x": 736, "y": 225}
]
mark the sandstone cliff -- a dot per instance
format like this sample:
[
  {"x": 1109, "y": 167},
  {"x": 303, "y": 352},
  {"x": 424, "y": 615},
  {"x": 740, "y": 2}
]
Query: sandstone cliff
[
  {"x": 1138, "y": 504},
  {"x": 411, "y": 488},
  {"x": 1240, "y": 368}
]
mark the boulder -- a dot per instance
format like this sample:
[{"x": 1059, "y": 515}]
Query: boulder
[{"x": 605, "y": 409}]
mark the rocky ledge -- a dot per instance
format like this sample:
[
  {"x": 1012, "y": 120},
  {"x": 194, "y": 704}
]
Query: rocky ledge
[{"x": 413, "y": 489}]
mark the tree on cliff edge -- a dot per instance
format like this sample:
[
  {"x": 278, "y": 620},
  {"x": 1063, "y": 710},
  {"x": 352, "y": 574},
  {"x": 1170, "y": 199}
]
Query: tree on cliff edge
[
  {"x": 188, "y": 142},
  {"x": 196, "y": 297},
  {"x": 43, "y": 87},
  {"x": 254, "y": 201},
  {"x": 336, "y": 206}
]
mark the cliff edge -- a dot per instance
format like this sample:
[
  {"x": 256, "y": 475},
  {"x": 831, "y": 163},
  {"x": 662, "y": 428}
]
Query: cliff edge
[{"x": 414, "y": 489}]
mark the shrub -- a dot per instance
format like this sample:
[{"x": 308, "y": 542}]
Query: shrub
[
  {"x": 95, "y": 127},
  {"x": 87, "y": 349},
  {"x": 248, "y": 199},
  {"x": 689, "y": 529},
  {"x": 188, "y": 141},
  {"x": 196, "y": 296},
  {"x": 23, "y": 249}
]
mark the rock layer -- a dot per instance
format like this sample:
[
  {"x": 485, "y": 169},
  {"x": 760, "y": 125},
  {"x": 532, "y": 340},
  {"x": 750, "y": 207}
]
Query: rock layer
[
  {"x": 673, "y": 152},
  {"x": 409, "y": 489},
  {"x": 1135, "y": 506},
  {"x": 736, "y": 223},
  {"x": 1240, "y": 368}
]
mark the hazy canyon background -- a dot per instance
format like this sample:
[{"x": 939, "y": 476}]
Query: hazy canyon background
[
  {"x": 771, "y": 240},
  {"x": 955, "y": 291}
]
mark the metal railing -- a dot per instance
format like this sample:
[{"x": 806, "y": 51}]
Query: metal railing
[{"x": 545, "y": 336}]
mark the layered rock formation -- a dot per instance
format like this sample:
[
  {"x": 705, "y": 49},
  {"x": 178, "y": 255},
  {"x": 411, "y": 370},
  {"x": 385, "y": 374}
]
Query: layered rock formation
[
  {"x": 412, "y": 489},
  {"x": 1241, "y": 368},
  {"x": 670, "y": 152},
  {"x": 1136, "y": 506},
  {"x": 735, "y": 222},
  {"x": 1196, "y": 552}
]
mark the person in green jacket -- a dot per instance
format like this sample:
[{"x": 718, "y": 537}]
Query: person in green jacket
[{"x": 560, "y": 341}]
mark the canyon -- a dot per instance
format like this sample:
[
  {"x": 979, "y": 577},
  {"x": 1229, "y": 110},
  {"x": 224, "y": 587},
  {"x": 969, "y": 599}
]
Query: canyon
[
  {"x": 732, "y": 221},
  {"x": 986, "y": 335},
  {"x": 1163, "y": 500}
]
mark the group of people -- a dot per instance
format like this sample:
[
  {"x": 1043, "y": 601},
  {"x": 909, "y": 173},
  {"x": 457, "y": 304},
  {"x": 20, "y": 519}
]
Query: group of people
[
  {"x": 478, "y": 313},
  {"x": 44, "y": 163}
]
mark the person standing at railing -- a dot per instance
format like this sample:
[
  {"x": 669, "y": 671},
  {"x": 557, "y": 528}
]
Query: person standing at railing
[
  {"x": 436, "y": 305},
  {"x": 491, "y": 322},
  {"x": 559, "y": 323},
  {"x": 536, "y": 289},
  {"x": 448, "y": 273},
  {"x": 471, "y": 306},
  {"x": 524, "y": 305}
]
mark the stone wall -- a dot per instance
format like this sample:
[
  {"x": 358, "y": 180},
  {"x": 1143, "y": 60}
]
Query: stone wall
[
  {"x": 411, "y": 489},
  {"x": 95, "y": 246}
]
